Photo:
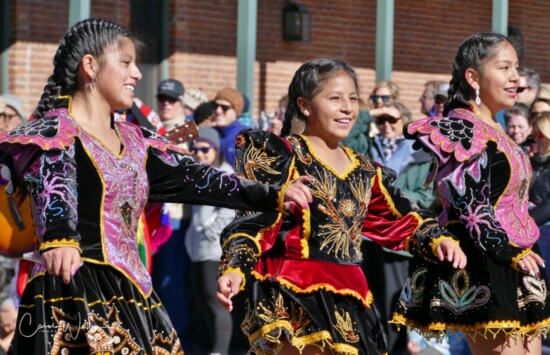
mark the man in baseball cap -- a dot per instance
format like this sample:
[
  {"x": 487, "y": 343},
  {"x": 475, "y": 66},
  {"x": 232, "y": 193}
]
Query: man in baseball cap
[{"x": 170, "y": 106}]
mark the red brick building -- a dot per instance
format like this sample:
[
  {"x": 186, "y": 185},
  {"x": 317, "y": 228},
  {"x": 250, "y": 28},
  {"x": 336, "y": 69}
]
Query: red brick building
[{"x": 203, "y": 39}]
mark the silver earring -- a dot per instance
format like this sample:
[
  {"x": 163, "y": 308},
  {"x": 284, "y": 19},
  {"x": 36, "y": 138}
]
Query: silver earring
[
  {"x": 92, "y": 85},
  {"x": 478, "y": 100}
]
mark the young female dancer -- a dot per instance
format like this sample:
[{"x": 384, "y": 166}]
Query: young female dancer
[
  {"x": 88, "y": 179},
  {"x": 500, "y": 299},
  {"x": 306, "y": 290}
]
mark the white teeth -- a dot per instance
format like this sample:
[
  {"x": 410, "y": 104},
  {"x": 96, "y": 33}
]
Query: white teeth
[
  {"x": 129, "y": 87},
  {"x": 343, "y": 121}
]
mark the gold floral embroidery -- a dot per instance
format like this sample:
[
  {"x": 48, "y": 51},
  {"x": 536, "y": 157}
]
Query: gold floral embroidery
[
  {"x": 347, "y": 207},
  {"x": 303, "y": 156},
  {"x": 275, "y": 311},
  {"x": 337, "y": 236},
  {"x": 101, "y": 335},
  {"x": 344, "y": 326},
  {"x": 256, "y": 159}
]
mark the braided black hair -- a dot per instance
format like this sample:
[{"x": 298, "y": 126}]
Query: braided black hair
[
  {"x": 307, "y": 82},
  {"x": 91, "y": 36},
  {"x": 472, "y": 53}
]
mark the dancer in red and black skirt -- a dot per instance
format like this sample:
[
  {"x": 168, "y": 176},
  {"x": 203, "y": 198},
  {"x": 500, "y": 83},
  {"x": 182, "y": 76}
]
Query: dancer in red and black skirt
[{"x": 301, "y": 270}]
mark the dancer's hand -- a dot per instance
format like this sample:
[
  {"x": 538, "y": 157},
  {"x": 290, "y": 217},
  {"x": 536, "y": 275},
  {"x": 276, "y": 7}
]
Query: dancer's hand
[
  {"x": 62, "y": 261},
  {"x": 451, "y": 251},
  {"x": 530, "y": 263},
  {"x": 298, "y": 194},
  {"x": 228, "y": 286}
]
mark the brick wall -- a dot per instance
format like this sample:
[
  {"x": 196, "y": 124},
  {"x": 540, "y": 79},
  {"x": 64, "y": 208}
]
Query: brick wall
[
  {"x": 37, "y": 27},
  {"x": 203, "y": 41}
]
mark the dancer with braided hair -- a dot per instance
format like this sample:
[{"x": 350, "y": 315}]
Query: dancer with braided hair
[
  {"x": 500, "y": 300},
  {"x": 305, "y": 287},
  {"x": 88, "y": 179}
]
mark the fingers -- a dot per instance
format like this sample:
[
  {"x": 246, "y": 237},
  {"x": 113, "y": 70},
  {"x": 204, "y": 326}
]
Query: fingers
[
  {"x": 298, "y": 193},
  {"x": 228, "y": 286},
  {"x": 452, "y": 252},
  {"x": 63, "y": 261},
  {"x": 530, "y": 264}
]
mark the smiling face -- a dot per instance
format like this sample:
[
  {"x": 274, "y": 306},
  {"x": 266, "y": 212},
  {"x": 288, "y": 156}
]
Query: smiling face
[
  {"x": 119, "y": 74},
  {"x": 498, "y": 78},
  {"x": 332, "y": 112},
  {"x": 205, "y": 153}
]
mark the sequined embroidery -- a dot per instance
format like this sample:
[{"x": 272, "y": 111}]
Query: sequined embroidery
[
  {"x": 535, "y": 291},
  {"x": 459, "y": 296},
  {"x": 344, "y": 326},
  {"x": 413, "y": 291}
]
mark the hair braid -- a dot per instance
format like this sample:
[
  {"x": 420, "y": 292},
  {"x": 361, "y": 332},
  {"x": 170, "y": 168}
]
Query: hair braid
[{"x": 91, "y": 36}]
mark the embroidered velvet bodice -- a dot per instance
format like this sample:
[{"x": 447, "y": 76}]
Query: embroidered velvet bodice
[
  {"x": 326, "y": 236},
  {"x": 88, "y": 197},
  {"x": 483, "y": 178}
]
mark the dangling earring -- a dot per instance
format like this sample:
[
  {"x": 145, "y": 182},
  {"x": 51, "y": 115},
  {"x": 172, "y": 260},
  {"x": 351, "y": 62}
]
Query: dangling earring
[
  {"x": 92, "y": 85},
  {"x": 478, "y": 100}
]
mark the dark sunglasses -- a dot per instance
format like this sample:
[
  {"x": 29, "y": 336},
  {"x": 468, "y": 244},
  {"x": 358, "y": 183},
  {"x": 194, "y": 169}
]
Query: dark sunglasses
[
  {"x": 384, "y": 98},
  {"x": 224, "y": 108},
  {"x": 440, "y": 100},
  {"x": 203, "y": 150},
  {"x": 521, "y": 89},
  {"x": 383, "y": 119}
]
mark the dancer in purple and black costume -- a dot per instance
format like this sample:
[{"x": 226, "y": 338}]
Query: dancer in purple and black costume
[
  {"x": 500, "y": 300},
  {"x": 88, "y": 179}
]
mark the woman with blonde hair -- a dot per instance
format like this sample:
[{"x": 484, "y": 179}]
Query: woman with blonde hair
[{"x": 383, "y": 92}]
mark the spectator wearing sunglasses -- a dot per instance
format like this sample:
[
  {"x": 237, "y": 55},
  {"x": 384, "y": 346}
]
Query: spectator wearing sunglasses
[
  {"x": 383, "y": 92},
  {"x": 427, "y": 99},
  {"x": 212, "y": 328},
  {"x": 228, "y": 105},
  {"x": 170, "y": 103}
]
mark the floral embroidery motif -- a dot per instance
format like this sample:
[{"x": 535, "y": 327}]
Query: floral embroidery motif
[
  {"x": 536, "y": 289},
  {"x": 413, "y": 292},
  {"x": 102, "y": 336},
  {"x": 459, "y": 299},
  {"x": 344, "y": 326},
  {"x": 304, "y": 157},
  {"x": 257, "y": 159},
  {"x": 456, "y": 130},
  {"x": 347, "y": 207}
]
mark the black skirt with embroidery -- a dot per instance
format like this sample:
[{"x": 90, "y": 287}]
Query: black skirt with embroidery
[
  {"x": 113, "y": 317},
  {"x": 329, "y": 321},
  {"x": 485, "y": 298}
]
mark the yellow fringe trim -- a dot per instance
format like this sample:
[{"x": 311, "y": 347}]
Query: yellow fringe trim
[
  {"x": 367, "y": 301},
  {"x": 518, "y": 257},
  {"x": 320, "y": 339},
  {"x": 91, "y": 304},
  {"x": 238, "y": 271},
  {"x": 56, "y": 243},
  {"x": 510, "y": 328},
  {"x": 254, "y": 239}
]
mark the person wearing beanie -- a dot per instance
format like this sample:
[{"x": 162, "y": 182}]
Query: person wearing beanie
[
  {"x": 170, "y": 103},
  {"x": 191, "y": 100},
  {"x": 202, "y": 243},
  {"x": 14, "y": 112},
  {"x": 229, "y": 105},
  {"x": 203, "y": 114}
]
